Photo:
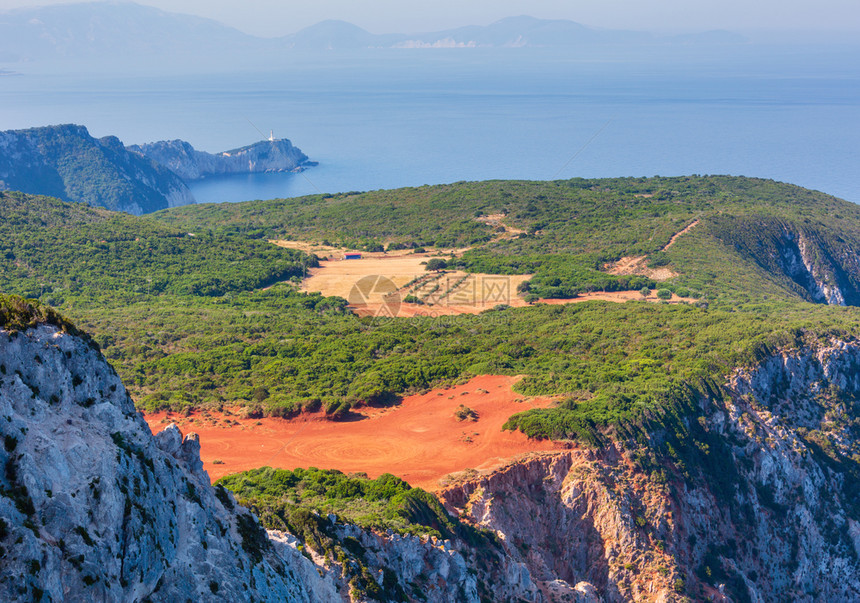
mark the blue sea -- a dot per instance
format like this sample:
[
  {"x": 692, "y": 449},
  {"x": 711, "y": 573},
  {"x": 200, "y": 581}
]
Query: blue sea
[{"x": 391, "y": 119}]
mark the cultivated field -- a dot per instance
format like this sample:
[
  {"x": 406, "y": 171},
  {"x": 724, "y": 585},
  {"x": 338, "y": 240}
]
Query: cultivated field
[{"x": 379, "y": 283}]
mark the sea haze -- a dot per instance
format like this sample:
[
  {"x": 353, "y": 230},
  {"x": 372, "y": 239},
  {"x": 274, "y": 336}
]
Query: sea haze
[{"x": 408, "y": 117}]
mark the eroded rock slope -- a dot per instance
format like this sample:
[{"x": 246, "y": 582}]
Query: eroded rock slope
[
  {"x": 94, "y": 508},
  {"x": 770, "y": 513}
]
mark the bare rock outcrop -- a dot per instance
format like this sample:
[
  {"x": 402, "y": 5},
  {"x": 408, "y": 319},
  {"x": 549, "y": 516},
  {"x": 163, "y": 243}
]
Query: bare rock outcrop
[
  {"x": 571, "y": 518},
  {"x": 772, "y": 513},
  {"x": 94, "y": 508}
]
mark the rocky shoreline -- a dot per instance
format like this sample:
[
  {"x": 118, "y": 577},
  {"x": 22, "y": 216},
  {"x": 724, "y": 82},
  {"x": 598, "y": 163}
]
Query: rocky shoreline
[{"x": 273, "y": 155}]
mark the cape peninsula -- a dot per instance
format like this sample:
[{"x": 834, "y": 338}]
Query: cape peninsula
[{"x": 66, "y": 162}]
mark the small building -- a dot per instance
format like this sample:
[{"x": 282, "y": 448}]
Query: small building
[{"x": 352, "y": 256}]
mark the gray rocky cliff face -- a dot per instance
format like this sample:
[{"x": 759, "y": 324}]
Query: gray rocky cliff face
[
  {"x": 815, "y": 263},
  {"x": 825, "y": 269},
  {"x": 190, "y": 164},
  {"x": 94, "y": 508},
  {"x": 431, "y": 569},
  {"x": 562, "y": 516},
  {"x": 791, "y": 424},
  {"x": 817, "y": 277},
  {"x": 775, "y": 517}
]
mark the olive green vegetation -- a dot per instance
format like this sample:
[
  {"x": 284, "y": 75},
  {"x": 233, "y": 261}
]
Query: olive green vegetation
[
  {"x": 181, "y": 306},
  {"x": 55, "y": 250},
  {"x": 300, "y": 501},
  {"x": 384, "y": 503},
  {"x": 297, "y": 351},
  {"x": 19, "y": 314},
  {"x": 571, "y": 228}
]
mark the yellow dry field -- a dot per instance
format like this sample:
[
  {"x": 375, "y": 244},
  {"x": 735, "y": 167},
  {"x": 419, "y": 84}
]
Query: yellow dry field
[
  {"x": 378, "y": 279},
  {"x": 378, "y": 283},
  {"x": 339, "y": 276}
]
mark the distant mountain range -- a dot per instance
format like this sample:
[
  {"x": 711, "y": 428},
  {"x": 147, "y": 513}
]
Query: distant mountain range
[
  {"x": 109, "y": 30},
  {"x": 117, "y": 30}
]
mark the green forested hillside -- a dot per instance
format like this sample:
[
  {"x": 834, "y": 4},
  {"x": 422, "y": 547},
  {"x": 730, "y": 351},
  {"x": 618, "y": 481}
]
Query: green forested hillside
[
  {"x": 66, "y": 162},
  {"x": 182, "y": 303},
  {"x": 738, "y": 251},
  {"x": 386, "y": 502},
  {"x": 57, "y": 250}
]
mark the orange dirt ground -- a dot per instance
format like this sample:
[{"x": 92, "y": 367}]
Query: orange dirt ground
[{"x": 420, "y": 440}]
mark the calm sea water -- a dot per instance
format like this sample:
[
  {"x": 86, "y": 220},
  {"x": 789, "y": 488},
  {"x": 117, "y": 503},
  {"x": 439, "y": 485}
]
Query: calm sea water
[{"x": 383, "y": 121}]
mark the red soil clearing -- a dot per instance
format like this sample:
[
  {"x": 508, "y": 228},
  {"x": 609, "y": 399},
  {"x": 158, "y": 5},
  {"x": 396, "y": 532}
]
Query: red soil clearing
[{"x": 420, "y": 440}]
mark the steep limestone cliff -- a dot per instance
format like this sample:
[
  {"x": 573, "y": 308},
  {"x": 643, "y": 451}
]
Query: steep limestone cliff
[
  {"x": 190, "y": 164},
  {"x": 572, "y": 518},
  {"x": 806, "y": 258},
  {"x": 773, "y": 516},
  {"x": 387, "y": 566},
  {"x": 94, "y": 508}
]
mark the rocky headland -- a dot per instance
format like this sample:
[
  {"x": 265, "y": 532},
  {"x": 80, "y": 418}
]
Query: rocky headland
[
  {"x": 274, "y": 155},
  {"x": 66, "y": 162}
]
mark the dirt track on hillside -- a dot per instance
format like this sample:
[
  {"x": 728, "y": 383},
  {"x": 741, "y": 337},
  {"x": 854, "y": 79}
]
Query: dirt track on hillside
[
  {"x": 675, "y": 237},
  {"x": 420, "y": 440},
  {"x": 639, "y": 264}
]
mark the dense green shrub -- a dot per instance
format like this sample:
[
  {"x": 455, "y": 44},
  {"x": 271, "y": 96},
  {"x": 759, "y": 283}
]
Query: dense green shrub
[
  {"x": 385, "y": 503},
  {"x": 192, "y": 321}
]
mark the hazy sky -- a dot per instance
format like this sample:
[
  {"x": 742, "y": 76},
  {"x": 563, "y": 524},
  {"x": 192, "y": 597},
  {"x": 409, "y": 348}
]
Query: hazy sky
[{"x": 279, "y": 17}]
